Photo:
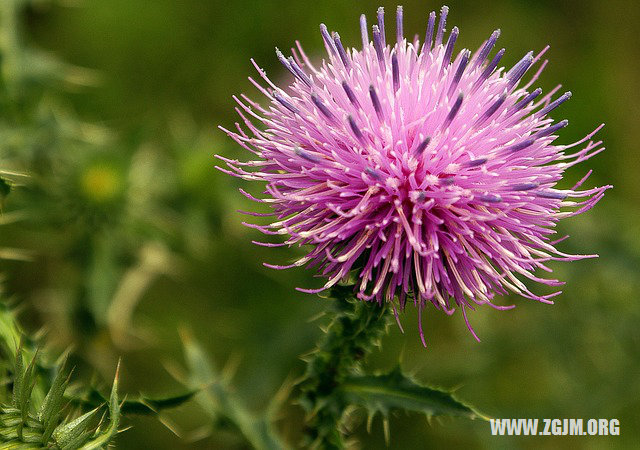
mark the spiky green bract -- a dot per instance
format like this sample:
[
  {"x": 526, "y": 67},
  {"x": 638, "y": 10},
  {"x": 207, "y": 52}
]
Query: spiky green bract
[
  {"x": 25, "y": 424},
  {"x": 29, "y": 419},
  {"x": 222, "y": 405},
  {"x": 53, "y": 402},
  {"x": 356, "y": 328}
]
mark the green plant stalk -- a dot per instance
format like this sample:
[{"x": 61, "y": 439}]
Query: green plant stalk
[
  {"x": 355, "y": 329},
  {"x": 220, "y": 403},
  {"x": 256, "y": 429}
]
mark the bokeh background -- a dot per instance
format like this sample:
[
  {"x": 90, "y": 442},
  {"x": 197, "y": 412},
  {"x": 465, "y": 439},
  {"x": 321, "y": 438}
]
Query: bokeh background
[{"x": 124, "y": 233}]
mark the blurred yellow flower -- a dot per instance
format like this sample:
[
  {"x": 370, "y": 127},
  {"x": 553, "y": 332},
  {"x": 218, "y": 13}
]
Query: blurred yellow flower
[{"x": 100, "y": 183}]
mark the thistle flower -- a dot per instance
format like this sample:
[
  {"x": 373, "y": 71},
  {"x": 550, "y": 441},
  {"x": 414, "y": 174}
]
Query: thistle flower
[{"x": 427, "y": 176}]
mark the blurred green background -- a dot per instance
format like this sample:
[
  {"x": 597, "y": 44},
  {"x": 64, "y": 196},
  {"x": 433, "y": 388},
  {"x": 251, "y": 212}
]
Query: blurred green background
[{"x": 131, "y": 234}]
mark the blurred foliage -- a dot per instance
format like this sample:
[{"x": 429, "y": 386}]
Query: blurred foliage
[
  {"x": 131, "y": 232},
  {"x": 223, "y": 407}
]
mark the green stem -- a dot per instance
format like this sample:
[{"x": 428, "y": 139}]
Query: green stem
[
  {"x": 221, "y": 403},
  {"x": 356, "y": 328}
]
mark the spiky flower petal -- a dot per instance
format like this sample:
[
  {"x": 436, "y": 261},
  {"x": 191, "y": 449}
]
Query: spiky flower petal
[{"x": 425, "y": 175}]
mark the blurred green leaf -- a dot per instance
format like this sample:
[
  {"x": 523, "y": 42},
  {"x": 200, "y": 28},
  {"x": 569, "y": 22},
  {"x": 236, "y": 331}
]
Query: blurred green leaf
[
  {"x": 5, "y": 189},
  {"x": 10, "y": 333},
  {"x": 220, "y": 402}
]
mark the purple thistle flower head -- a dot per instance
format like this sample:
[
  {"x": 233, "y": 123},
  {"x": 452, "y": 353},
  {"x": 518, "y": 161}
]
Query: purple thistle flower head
[{"x": 421, "y": 174}]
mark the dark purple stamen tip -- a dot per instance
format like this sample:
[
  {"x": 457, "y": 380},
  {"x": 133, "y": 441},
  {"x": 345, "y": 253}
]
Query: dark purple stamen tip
[
  {"x": 447, "y": 181},
  {"x": 476, "y": 162},
  {"x": 356, "y": 130},
  {"x": 552, "y": 129},
  {"x": 322, "y": 108},
  {"x": 428, "y": 37},
  {"x": 378, "y": 44},
  {"x": 451, "y": 42},
  {"x": 381, "y": 25},
  {"x": 422, "y": 196},
  {"x": 395, "y": 70},
  {"x": 519, "y": 69},
  {"x": 486, "y": 48},
  {"x": 553, "y": 105},
  {"x": 552, "y": 195},
  {"x": 422, "y": 146},
  {"x": 489, "y": 69},
  {"x": 373, "y": 173},
  {"x": 524, "y": 186},
  {"x": 285, "y": 103},
  {"x": 376, "y": 102},
  {"x": 341, "y": 52},
  {"x": 306, "y": 155},
  {"x": 464, "y": 60},
  {"x": 443, "y": 22},
  {"x": 454, "y": 110},
  {"x": 399, "y": 30},
  {"x": 293, "y": 67},
  {"x": 490, "y": 198},
  {"x": 364, "y": 31},
  {"x": 350, "y": 94},
  {"x": 525, "y": 101},
  {"x": 491, "y": 110},
  {"x": 521, "y": 145},
  {"x": 327, "y": 40},
  {"x": 298, "y": 72}
]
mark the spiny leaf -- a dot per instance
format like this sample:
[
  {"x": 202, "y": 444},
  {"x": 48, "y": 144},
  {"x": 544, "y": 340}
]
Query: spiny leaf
[
  {"x": 148, "y": 405},
  {"x": 395, "y": 390},
  {"x": 142, "y": 404}
]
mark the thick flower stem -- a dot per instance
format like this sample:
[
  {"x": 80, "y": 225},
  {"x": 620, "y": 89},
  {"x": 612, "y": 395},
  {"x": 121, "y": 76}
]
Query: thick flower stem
[{"x": 354, "y": 330}]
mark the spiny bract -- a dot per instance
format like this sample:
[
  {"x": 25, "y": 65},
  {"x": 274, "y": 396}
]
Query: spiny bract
[{"x": 424, "y": 177}]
